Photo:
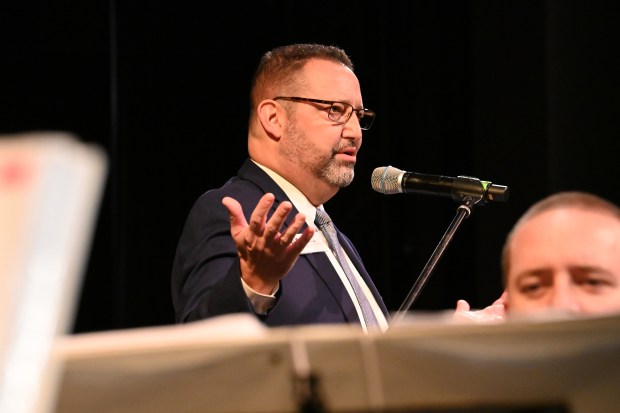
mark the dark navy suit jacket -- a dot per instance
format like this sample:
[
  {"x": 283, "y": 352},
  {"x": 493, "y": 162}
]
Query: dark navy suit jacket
[{"x": 206, "y": 279}]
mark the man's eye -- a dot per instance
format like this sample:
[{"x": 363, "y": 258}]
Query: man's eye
[
  {"x": 339, "y": 108},
  {"x": 597, "y": 284},
  {"x": 529, "y": 288},
  {"x": 532, "y": 286},
  {"x": 593, "y": 279}
]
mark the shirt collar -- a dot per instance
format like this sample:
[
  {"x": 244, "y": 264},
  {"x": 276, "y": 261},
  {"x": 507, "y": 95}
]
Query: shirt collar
[{"x": 298, "y": 199}]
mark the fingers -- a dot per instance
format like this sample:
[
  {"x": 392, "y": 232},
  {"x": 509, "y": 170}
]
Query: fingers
[
  {"x": 462, "y": 305},
  {"x": 502, "y": 299},
  {"x": 497, "y": 310},
  {"x": 263, "y": 233},
  {"x": 505, "y": 301},
  {"x": 288, "y": 235},
  {"x": 492, "y": 314},
  {"x": 272, "y": 228},
  {"x": 256, "y": 226},
  {"x": 300, "y": 243},
  {"x": 266, "y": 250},
  {"x": 501, "y": 304},
  {"x": 259, "y": 215}
]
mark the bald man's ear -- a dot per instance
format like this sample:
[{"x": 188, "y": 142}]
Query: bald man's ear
[{"x": 272, "y": 117}]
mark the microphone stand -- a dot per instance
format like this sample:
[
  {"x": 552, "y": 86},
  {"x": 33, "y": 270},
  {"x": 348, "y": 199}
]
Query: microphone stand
[{"x": 462, "y": 212}]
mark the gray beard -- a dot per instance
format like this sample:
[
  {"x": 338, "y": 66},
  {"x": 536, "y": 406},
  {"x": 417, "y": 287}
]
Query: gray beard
[
  {"x": 335, "y": 173},
  {"x": 330, "y": 171}
]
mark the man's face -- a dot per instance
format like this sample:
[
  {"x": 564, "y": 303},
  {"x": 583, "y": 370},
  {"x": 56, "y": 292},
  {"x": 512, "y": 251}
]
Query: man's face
[
  {"x": 565, "y": 260},
  {"x": 314, "y": 142}
]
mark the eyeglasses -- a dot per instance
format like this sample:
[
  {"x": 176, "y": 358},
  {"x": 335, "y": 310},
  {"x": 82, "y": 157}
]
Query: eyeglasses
[{"x": 338, "y": 112}]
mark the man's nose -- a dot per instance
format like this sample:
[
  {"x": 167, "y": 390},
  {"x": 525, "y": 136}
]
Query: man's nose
[
  {"x": 352, "y": 129},
  {"x": 564, "y": 297}
]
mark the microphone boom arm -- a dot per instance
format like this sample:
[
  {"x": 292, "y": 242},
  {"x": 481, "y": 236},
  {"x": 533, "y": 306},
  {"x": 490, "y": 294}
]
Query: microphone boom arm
[{"x": 462, "y": 212}]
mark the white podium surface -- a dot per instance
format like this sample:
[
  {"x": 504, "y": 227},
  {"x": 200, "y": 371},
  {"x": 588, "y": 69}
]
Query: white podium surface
[{"x": 234, "y": 364}]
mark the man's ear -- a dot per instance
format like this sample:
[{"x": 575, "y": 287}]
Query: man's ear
[{"x": 272, "y": 118}]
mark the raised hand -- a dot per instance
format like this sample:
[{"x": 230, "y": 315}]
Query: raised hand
[
  {"x": 266, "y": 253},
  {"x": 496, "y": 312}
]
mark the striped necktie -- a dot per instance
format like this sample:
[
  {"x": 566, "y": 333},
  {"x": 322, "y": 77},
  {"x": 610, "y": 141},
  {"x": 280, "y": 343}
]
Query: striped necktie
[{"x": 328, "y": 229}]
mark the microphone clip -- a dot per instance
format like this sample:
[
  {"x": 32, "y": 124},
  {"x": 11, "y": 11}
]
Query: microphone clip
[{"x": 469, "y": 191}]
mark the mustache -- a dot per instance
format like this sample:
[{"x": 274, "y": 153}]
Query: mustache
[{"x": 349, "y": 145}]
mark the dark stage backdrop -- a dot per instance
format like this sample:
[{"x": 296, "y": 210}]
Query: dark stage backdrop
[{"x": 520, "y": 93}]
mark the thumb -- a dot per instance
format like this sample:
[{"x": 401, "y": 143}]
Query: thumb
[{"x": 237, "y": 219}]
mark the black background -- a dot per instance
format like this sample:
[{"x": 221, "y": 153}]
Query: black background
[{"x": 520, "y": 93}]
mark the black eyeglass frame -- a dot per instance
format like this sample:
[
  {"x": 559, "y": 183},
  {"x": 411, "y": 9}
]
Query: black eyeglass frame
[{"x": 360, "y": 113}]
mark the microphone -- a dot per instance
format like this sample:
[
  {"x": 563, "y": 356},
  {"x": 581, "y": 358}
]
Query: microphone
[{"x": 389, "y": 180}]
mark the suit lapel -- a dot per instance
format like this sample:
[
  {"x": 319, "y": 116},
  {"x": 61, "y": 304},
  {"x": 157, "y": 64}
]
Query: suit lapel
[
  {"x": 330, "y": 277},
  {"x": 253, "y": 173},
  {"x": 319, "y": 261},
  {"x": 355, "y": 259}
]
